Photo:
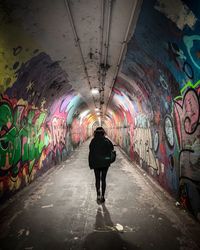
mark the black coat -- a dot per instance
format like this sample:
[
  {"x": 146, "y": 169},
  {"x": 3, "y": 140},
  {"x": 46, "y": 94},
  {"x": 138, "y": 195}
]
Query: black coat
[{"x": 100, "y": 150}]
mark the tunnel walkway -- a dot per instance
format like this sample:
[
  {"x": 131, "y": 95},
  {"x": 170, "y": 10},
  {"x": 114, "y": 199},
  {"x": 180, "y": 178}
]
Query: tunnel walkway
[{"x": 59, "y": 211}]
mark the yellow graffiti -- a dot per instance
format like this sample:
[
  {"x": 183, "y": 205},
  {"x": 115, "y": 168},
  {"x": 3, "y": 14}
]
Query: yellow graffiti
[
  {"x": 25, "y": 176},
  {"x": 42, "y": 158},
  {"x": 33, "y": 173},
  {"x": 16, "y": 47},
  {"x": 14, "y": 183}
]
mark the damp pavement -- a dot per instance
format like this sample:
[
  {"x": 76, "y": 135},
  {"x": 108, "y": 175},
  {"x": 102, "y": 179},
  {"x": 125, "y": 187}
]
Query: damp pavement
[{"x": 59, "y": 211}]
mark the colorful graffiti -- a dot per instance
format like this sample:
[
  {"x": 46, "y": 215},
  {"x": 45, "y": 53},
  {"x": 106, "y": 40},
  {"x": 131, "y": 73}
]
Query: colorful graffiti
[
  {"x": 133, "y": 130},
  {"x": 31, "y": 140},
  {"x": 143, "y": 143},
  {"x": 187, "y": 120},
  {"x": 58, "y": 130},
  {"x": 41, "y": 120},
  {"x": 156, "y": 121},
  {"x": 22, "y": 137}
]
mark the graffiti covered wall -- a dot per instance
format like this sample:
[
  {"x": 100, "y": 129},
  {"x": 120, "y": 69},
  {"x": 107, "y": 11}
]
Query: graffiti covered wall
[
  {"x": 156, "y": 98},
  {"x": 41, "y": 119}
]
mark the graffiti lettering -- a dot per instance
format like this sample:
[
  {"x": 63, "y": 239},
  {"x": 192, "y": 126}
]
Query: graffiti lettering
[
  {"x": 190, "y": 111},
  {"x": 22, "y": 137},
  {"x": 187, "y": 113},
  {"x": 58, "y": 130},
  {"x": 143, "y": 147}
]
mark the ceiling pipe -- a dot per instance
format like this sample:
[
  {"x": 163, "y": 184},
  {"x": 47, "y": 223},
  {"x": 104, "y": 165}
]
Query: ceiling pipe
[
  {"x": 77, "y": 40},
  {"x": 106, "y": 46},
  {"x": 101, "y": 48},
  {"x": 107, "y": 33},
  {"x": 101, "y": 34},
  {"x": 136, "y": 5}
]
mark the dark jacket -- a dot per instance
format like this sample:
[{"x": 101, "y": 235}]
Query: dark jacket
[{"x": 100, "y": 150}]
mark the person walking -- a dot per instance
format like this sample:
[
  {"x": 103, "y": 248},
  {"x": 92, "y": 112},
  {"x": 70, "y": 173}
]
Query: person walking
[{"x": 99, "y": 159}]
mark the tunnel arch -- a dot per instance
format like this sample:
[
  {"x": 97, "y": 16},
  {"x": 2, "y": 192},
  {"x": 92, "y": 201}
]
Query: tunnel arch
[{"x": 148, "y": 97}]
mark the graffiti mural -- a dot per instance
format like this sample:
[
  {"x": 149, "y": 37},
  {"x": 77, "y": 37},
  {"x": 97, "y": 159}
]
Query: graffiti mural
[
  {"x": 58, "y": 130},
  {"x": 40, "y": 113},
  {"x": 143, "y": 143},
  {"x": 23, "y": 139},
  {"x": 187, "y": 113},
  {"x": 22, "y": 136},
  {"x": 31, "y": 140},
  {"x": 157, "y": 97}
]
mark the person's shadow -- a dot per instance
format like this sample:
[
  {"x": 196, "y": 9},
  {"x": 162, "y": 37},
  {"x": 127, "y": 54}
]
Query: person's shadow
[{"x": 105, "y": 236}]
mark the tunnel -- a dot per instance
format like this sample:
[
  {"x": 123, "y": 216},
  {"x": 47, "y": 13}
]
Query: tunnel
[{"x": 70, "y": 66}]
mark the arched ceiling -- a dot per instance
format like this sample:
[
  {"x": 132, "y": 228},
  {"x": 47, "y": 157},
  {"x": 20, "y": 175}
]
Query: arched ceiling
[
  {"x": 53, "y": 52},
  {"x": 85, "y": 38}
]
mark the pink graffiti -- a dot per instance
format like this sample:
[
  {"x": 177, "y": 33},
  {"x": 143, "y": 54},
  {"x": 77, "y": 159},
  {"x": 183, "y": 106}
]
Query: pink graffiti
[
  {"x": 75, "y": 131},
  {"x": 191, "y": 111},
  {"x": 186, "y": 112},
  {"x": 58, "y": 130}
]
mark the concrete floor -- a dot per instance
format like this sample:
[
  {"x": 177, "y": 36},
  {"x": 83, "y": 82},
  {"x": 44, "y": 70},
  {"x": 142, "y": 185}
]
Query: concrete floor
[{"x": 59, "y": 211}]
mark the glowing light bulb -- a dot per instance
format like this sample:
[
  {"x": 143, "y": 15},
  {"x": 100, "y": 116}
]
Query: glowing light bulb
[{"x": 94, "y": 91}]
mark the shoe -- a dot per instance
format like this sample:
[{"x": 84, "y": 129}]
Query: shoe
[
  {"x": 102, "y": 199},
  {"x": 98, "y": 199}
]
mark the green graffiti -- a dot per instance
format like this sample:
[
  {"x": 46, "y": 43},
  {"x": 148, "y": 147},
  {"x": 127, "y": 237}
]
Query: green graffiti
[
  {"x": 10, "y": 145},
  {"x": 21, "y": 139},
  {"x": 187, "y": 85}
]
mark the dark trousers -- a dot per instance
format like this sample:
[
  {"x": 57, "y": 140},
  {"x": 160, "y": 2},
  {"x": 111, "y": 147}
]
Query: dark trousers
[{"x": 100, "y": 176}]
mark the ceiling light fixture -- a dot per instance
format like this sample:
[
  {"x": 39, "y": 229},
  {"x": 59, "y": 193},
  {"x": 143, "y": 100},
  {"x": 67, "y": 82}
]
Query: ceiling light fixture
[
  {"x": 99, "y": 121},
  {"x": 95, "y": 91}
]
